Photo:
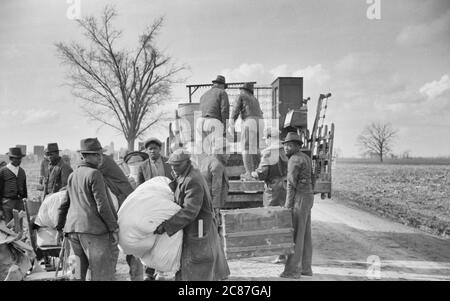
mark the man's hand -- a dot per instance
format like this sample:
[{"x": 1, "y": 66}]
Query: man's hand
[
  {"x": 160, "y": 229},
  {"x": 254, "y": 174},
  {"x": 115, "y": 237}
]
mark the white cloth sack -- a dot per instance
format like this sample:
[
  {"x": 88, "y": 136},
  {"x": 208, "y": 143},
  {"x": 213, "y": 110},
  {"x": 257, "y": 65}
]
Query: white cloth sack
[
  {"x": 48, "y": 212},
  {"x": 46, "y": 237},
  {"x": 142, "y": 211}
]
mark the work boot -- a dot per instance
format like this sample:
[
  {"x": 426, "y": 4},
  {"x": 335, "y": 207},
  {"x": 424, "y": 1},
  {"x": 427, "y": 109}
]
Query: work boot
[
  {"x": 247, "y": 177},
  {"x": 307, "y": 273},
  {"x": 290, "y": 275},
  {"x": 248, "y": 165},
  {"x": 280, "y": 259}
]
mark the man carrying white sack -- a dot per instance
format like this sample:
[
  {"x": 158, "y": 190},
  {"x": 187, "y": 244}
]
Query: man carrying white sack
[{"x": 202, "y": 257}]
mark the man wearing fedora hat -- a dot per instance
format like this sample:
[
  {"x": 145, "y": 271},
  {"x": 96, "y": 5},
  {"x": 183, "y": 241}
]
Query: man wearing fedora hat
[
  {"x": 202, "y": 257},
  {"x": 248, "y": 107},
  {"x": 215, "y": 108},
  {"x": 13, "y": 184},
  {"x": 58, "y": 171},
  {"x": 88, "y": 217},
  {"x": 299, "y": 198}
]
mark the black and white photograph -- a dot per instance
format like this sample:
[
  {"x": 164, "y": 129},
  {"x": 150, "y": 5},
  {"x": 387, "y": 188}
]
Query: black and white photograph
[{"x": 247, "y": 143}]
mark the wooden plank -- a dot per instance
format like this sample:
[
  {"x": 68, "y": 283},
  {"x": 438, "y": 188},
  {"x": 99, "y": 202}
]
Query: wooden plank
[
  {"x": 238, "y": 205},
  {"x": 261, "y": 232},
  {"x": 259, "y": 241},
  {"x": 243, "y": 220},
  {"x": 244, "y": 197},
  {"x": 240, "y": 186},
  {"x": 240, "y": 253}
]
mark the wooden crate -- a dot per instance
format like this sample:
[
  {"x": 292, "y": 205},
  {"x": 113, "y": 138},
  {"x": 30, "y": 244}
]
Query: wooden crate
[
  {"x": 256, "y": 232},
  {"x": 246, "y": 186},
  {"x": 239, "y": 200}
]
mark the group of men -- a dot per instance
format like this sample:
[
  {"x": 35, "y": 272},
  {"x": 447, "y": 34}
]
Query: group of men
[
  {"x": 88, "y": 216},
  {"x": 285, "y": 169}
]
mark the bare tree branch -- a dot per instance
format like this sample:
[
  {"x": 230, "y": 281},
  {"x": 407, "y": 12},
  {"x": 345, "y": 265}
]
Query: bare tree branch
[{"x": 118, "y": 87}]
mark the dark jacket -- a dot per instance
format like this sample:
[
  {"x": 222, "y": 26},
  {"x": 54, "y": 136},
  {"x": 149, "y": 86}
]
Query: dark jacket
[
  {"x": 247, "y": 106},
  {"x": 115, "y": 179},
  {"x": 87, "y": 208},
  {"x": 145, "y": 172},
  {"x": 215, "y": 104},
  {"x": 56, "y": 176},
  {"x": 201, "y": 258},
  {"x": 43, "y": 171},
  {"x": 273, "y": 170},
  {"x": 213, "y": 169},
  {"x": 13, "y": 187},
  {"x": 298, "y": 178}
]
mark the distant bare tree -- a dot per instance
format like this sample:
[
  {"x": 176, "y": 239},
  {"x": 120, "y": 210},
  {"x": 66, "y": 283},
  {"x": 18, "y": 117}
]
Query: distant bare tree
[
  {"x": 119, "y": 88},
  {"x": 377, "y": 138}
]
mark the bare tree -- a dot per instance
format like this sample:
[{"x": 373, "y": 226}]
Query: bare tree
[
  {"x": 119, "y": 88},
  {"x": 377, "y": 138}
]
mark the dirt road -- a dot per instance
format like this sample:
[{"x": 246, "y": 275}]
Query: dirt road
[{"x": 351, "y": 244}]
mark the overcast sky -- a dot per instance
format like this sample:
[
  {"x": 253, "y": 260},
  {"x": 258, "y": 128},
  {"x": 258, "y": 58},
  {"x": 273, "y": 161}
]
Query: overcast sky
[{"x": 396, "y": 69}]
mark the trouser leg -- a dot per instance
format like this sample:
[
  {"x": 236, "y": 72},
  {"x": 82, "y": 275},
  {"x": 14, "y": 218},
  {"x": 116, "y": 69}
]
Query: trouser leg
[
  {"x": 98, "y": 250},
  {"x": 301, "y": 214},
  {"x": 78, "y": 262},
  {"x": 136, "y": 268},
  {"x": 307, "y": 249}
]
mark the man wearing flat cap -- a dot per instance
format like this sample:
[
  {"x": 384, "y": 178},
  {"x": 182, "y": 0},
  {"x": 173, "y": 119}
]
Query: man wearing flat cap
[
  {"x": 299, "y": 198},
  {"x": 155, "y": 166},
  {"x": 58, "y": 171},
  {"x": 215, "y": 108},
  {"x": 202, "y": 257},
  {"x": 88, "y": 217},
  {"x": 248, "y": 107},
  {"x": 13, "y": 184}
]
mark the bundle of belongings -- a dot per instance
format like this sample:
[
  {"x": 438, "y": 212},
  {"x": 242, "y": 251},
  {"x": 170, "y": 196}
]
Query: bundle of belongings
[
  {"x": 15, "y": 255},
  {"x": 144, "y": 210},
  {"x": 47, "y": 219}
]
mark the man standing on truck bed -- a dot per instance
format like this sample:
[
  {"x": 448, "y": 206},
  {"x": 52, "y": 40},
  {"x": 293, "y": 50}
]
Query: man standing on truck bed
[
  {"x": 300, "y": 199},
  {"x": 215, "y": 108},
  {"x": 248, "y": 107}
]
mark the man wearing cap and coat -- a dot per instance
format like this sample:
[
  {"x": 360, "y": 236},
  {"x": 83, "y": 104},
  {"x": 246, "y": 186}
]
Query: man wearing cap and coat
[
  {"x": 156, "y": 165},
  {"x": 215, "y": 108},
  {"x": 13, "y": 184},
  {"x": 88, "y": 217},
  {"x": 57, "y": 170},
  {"x": 248, "y": 107},
  {"x": 202, "y": 257},
  {"x": 299, "y": 198}
]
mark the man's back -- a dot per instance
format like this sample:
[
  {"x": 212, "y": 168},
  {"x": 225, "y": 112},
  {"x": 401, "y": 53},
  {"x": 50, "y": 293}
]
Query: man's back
[
  {"x": 215, "y": 104},
  {"x": 90, "y": 210},
  {"x": 247, "y": 106},
  {"x": 214, "y": 172}
]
